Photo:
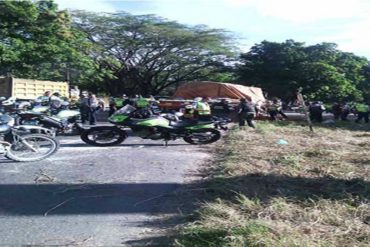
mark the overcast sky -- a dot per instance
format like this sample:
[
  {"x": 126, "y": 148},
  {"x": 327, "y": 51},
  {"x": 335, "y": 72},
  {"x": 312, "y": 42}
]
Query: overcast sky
[{"x": 344, "y": 22}]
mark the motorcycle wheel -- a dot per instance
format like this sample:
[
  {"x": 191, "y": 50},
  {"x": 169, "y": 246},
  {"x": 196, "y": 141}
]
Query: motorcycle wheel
[
  {"x": 203, "y": 136},
  {"x": 32, "y": 147},
  {"x": 103, "y": 136}
]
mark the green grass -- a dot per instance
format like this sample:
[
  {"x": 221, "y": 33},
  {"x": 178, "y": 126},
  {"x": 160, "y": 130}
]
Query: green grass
[{"x": 315, "y": 191}]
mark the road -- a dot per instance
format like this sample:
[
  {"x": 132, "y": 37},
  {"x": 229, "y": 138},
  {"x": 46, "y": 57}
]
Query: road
[{"x": 93, "y": 196}]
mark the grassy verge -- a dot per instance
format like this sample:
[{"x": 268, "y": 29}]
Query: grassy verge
[{"x": 313, "y": 191}]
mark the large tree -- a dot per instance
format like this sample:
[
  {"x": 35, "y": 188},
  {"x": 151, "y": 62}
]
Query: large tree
[
  {"x": 323, "y": 71},
  {"x": 37, "y": 41},
  {"x": 147, "y": 54}
]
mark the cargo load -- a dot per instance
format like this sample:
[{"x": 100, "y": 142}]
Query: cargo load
[{"x": 214, "y": 90}]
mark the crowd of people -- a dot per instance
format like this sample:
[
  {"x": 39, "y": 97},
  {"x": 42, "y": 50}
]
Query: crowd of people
[
  {"x": 246, "y": 111},
  {"x": 201, "y": 109},
  {"x": 340, "y": 111},
  {"x": 88, "y": 104}
]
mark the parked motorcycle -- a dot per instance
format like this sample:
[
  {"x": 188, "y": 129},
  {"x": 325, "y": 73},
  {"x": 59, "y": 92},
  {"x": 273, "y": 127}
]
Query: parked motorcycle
[
  {"x": 148, "y": 126},
  {"x": 18, "y": 144},
  {"x": 12, "y": 103},
  {"x": 64, "y": 122}
]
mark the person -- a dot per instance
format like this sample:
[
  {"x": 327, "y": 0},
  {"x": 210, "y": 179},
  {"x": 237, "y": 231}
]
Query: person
[
  {"x": 45, "y": 99},
  {"x": 126, "y": 100},
  {"x": 55, "y": 102},
  {"x": 142, "y": 105},
  {"x": 274, "y": 108},
  {"x": 346, "y": 109},
  {"x": 202, "y": 110},
  {"x": 188, "y": 112},
  {"x": 94, "y": 105},
  {"x": 154, "y": 105},
  {"x": 221, "y": 108},
  {"x": 316, "y": 110},
  {"x": 84, "y": 107},
  {"x": 337, "y": 110},
  {"x": 74, "y": 97},
  {"x": 119, "y": 101},
  {"x": 142, "y": 102},
  {"x": 363, "y": 111},
  {"x": 112, "y": 106},
  {"x": 246, "y": 112}
]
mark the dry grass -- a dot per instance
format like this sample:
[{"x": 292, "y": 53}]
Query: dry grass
[{"x": 314, "y": 191}]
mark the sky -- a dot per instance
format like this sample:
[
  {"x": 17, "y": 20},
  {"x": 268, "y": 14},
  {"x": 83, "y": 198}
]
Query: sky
[{"x": 344, "y": 22}]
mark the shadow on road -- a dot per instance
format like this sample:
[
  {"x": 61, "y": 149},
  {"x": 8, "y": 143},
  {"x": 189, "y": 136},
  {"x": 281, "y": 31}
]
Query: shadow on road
[
  {"x": 63, "y": 199},
  {"x": 168, "y": 198},
  {"x": 37, "y": 199}
]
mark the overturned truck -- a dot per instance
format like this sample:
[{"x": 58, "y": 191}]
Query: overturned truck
[{"x": 214, "y": 90}]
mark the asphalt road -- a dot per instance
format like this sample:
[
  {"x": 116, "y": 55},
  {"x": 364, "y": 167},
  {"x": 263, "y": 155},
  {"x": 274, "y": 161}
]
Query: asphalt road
[{"x": 93, "y": 196}]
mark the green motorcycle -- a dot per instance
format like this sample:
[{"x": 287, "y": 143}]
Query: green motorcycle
[{"x": 148, "y": 126}]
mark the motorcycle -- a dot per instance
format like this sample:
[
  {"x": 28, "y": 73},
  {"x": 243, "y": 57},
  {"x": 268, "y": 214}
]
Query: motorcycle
[
  {"x": 149, "y": 126},
  {"x": 13, "y": 103},
  {"x": 64, "y": 122},
  {"x": 18, "y": 144}
]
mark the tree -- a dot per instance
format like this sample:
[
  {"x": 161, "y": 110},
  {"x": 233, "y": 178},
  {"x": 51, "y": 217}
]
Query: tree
[
  {"x": 38, "y": 42},
  {"x": 323, "y": 71},
  {"x": 147, "y": 54},
  {"x": 273, "y": 66}
]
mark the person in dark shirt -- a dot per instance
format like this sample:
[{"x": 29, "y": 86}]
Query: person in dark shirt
[
  {"x": 246, "y": 113},
  {"x": 316, "y": 110}
]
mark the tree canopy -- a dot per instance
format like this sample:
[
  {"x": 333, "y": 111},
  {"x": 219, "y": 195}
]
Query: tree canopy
[
  {"x": 38, "y": 42},
  {"x": 147, "y": 54},
  {"x": 322, "y": 71}
]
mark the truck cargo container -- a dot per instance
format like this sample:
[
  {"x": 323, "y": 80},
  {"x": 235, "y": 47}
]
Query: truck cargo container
[{"x": 26, "y": 89}]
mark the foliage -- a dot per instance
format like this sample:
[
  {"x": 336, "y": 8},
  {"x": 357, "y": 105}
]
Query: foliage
[
  {"x": 322, "y": 71},
  {"x": 147, "y": 54},
  {"x": 37, "y": 42}
]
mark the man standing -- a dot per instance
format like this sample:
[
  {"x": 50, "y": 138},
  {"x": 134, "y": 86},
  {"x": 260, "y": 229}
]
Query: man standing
[
  {"x": 246, "y": 112},
  {"x": 316, "y": 110},
  {"x": 84, "y": 107},
  {"x": 94, "y": 105}
]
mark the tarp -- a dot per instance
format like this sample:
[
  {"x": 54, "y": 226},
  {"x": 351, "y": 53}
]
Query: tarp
[{"x": 210, "y": 89}]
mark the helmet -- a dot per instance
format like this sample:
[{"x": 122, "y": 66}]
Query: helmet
[
  {"x": 179, "y": 114},
  {"x": 198, "y": 99}
]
